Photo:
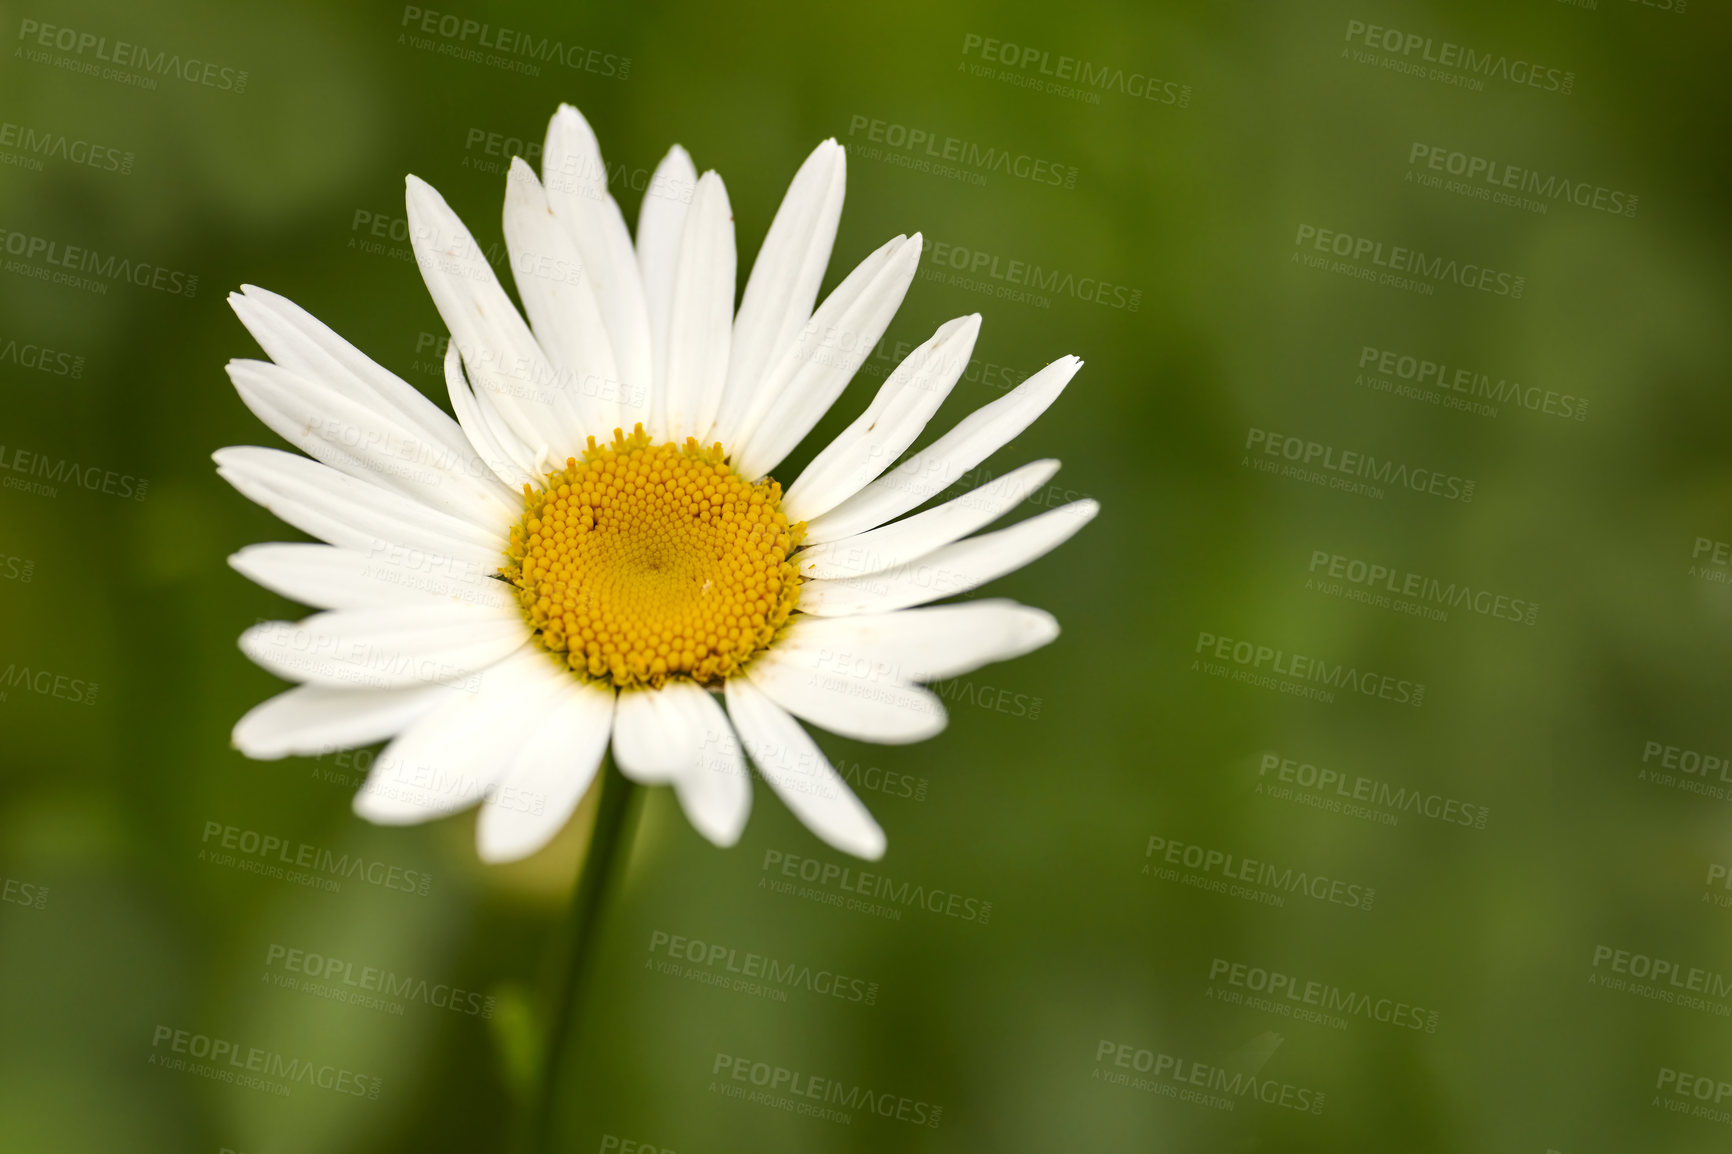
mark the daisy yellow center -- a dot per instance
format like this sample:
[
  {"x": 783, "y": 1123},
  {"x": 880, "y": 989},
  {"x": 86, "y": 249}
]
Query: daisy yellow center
[{"x": 639, "y": 562}]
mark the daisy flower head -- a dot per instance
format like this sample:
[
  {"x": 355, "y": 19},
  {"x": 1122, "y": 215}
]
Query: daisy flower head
[{"x": 597, "y": 548}]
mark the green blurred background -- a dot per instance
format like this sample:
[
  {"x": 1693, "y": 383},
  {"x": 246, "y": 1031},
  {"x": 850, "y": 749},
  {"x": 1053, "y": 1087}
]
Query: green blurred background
[{"x": 1513, "y": 949}]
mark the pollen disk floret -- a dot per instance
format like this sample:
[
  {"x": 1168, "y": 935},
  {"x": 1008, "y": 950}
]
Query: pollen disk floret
[{"x": 640, "y": 562}]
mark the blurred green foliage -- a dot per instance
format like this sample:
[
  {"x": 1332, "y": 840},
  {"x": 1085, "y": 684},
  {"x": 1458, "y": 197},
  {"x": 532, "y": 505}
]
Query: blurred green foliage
[{"x": 1194, "y": 205}]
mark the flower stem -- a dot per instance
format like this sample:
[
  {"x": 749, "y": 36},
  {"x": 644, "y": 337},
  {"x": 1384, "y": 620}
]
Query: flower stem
[{"x": 572, "y": 948}]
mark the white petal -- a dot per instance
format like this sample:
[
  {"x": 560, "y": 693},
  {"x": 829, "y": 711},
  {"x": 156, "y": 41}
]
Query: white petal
[
  {"x": 923, "y": 644},
  {"x": 310, "y": 719},
  {"x": 744, "y": 404},
  {"x": 373, "y": 443},
  {"x": 660, "y": 223},
  {"x": 784, "y": 283},
  {"x": 905, "y": 402},
  {"x": 503, "y": 451},
  {"x": 825, "y": 358},
  {"x": 353, "y": 513},
  {"x": 554, "y": 285},
  {"x": 454, "y": 756},
  {"x": 388, "y": 648},
  {"x": 659, "y": 734},
  {"x": 549, "y": 775},
  {"x": 928, "y": 472},
  {"x": 679, "y": 734},
  {"x": 867, "y": 706},
  {"x": 700, "y": 319},
  {"x": 799, "y": 773},
  {"x": 913, "y": 537},
  {"x": 576, "y": 181},
  {"x": 327, "y": 577},
  {"x": 717, "y": 794},
  {"x": 953, "y": 569},
  {"x": 301, "y": 343},
  {"x": 506, "y": 367}
]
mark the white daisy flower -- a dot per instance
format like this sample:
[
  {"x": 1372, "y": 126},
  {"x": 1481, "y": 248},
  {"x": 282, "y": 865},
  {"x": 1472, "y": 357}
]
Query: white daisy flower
[{"x": 504, "y": 593}]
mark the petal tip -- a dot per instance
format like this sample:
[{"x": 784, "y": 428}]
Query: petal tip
[
  {"x": 494, "y": 848},
  {"x": 722, "y": 836},
  {"x": 867, "y": 842},
  {"x": 369, "y": 807},
  {"x": 242, "y": 741},
  {"x": 1040, "y": 628}
]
